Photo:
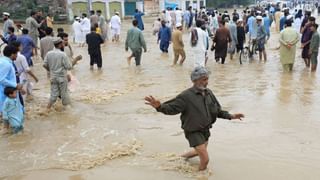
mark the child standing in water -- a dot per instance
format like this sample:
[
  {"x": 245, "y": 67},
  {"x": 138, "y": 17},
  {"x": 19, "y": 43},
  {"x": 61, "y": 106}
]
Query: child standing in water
[{"x": 13, "y": 113}]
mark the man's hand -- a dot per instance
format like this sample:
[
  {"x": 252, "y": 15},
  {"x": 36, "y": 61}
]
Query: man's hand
[
  {"x": 23, "y": 92},
  {"x": 237, "y": 116},
  {"x": 288, "y": 46},
  {"x": 152, "y": 101},
  {"x": 19, "y": 87}
]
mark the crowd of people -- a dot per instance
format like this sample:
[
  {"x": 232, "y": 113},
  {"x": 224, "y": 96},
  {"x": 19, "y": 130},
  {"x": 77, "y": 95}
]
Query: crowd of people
[{"x": 228, "y": 34}]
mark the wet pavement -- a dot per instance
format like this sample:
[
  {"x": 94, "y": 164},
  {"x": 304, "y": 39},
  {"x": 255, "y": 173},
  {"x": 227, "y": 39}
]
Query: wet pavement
[{"x": 109, "y": 133}]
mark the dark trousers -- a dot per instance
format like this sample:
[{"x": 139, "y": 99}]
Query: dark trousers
[
  {"x": 222, "y": 59},
  {"x": 137, "y": 56},
  {"x": 95, "y": 58},
  {"x": 164, "y": 45}
]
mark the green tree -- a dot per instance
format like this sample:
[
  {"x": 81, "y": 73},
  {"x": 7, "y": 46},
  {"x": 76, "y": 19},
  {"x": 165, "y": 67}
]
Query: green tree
[{"x": 227, "y": 3}]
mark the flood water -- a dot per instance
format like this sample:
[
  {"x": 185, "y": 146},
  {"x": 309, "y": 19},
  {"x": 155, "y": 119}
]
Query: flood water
[{"x": 109, "y": 133}]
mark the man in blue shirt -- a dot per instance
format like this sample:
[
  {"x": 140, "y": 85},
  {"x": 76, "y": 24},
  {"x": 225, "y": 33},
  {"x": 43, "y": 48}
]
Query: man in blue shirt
[
  {"x": 266, "y": 24},
  {"x": 252, "y": 25},
  {"x": 164, "y": 36},
  {"x": 138, "y": 16},
  {"x": 27, "y": 46},
  {"x": 7, "y": 72},
  {"x": 261, "y": 39},
  {"x": 284, "y": 18},
  {"x": 11, "y": 37},
  {"x": 271, "y": 12}
]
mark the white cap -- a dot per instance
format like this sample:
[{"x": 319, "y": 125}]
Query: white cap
[
  {"x": 290, "y": 17},
  {"x": 178, "y": 25},
  {"x": 258, "y": 12},
  {"x": 6, "y": 13},
  {"x": 56, "y": 40},
  {"x": 117, "y": 13},
  {"x": 285, "y": 9},
  {"x": 77, "y": 18},
  {"x": 259, "y": 17},
  {"x": 239, "y": 20}
]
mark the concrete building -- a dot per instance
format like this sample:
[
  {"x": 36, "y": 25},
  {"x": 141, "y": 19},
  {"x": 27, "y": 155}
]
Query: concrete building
[
  {"x": 108, "y": 7},
  {"x": 183, "y": 4}
]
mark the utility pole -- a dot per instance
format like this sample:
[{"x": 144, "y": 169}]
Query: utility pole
[{"x": 89, "y": 6}]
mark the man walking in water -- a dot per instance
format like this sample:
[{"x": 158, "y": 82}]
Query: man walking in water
[
  {"x": 199, "y": 109},
  {"x": 178, "y": 45},
  {"x": 135, "y": 41},
  {"x": 57, "y": 63}
]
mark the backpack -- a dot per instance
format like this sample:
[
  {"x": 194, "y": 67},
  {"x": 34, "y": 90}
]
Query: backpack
[{"x": 194, "y": 37}]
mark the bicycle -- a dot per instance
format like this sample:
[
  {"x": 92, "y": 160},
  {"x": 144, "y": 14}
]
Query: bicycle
[
  {"x": 253, "y": 47},
  {"x": 244, "y": 55}
]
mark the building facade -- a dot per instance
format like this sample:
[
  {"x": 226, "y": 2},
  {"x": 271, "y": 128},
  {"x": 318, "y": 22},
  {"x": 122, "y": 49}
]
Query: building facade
[
  {"x": 108, "y": 7},
  {"x": 182, "y": 4}
]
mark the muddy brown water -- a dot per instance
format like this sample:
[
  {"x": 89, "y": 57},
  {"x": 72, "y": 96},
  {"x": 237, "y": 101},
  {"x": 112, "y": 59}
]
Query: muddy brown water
[{"x": 109, "y": 133}]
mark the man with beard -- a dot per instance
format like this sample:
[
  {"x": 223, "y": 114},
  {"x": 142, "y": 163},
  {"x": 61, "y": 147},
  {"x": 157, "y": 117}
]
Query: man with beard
[
  {"x": 7, "y": 22},
  {"x": 32, "y": 25},
  {"x": 199, "y": 109},
  {"x": 68, "y": 49},
  {"x": 57, "y": 63}
]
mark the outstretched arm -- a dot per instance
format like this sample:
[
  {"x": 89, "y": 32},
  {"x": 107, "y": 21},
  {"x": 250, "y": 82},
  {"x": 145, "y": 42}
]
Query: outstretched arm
[{"x": 172, "y": 107}]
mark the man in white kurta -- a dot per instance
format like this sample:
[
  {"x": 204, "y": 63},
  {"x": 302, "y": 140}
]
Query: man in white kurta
[
  {"x": 115, "y": 27},
  {"x": 200, "y": 49},
  {"x": 168, "y": 18},
  {"x": 179, "y": 15},
  {"x": 85, "y": 26},
  {"x": 77, "y": 31}
]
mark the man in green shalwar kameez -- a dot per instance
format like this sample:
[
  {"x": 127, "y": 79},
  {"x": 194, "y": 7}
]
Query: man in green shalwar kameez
[{"x": 289, "y": 37}]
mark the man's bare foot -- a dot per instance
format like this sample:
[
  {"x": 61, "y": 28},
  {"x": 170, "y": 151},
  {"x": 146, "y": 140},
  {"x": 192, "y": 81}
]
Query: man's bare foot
[
  {"x": 5, "y": 131},
  {"x": 45, "y": 112}
]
